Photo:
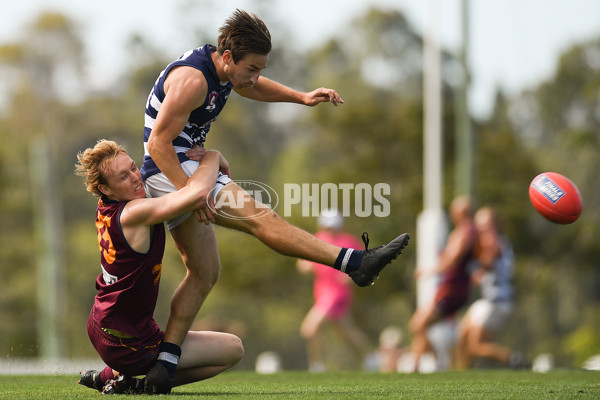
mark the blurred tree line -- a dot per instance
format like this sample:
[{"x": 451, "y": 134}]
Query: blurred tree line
[{"x": 376, "y": 136}]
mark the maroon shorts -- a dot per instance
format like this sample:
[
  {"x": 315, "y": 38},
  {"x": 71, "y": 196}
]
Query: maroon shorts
[
  {"x": 450, "y": 298},
  {"x": 133, "y": 356}
]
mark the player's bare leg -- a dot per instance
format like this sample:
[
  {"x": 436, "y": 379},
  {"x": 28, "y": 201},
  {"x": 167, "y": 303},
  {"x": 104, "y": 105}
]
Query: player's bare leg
[
  {"x": 480, "y": 345},
  {"x": 309, "y": 330},
  {"x": 355, "y": 337},
  {"x": 250, "y": 217},
  {"x": 206, "y": 354},
  {"x": 197, "y": 245},
  {"x": 419, "y": 324},
  {"x": 271, "y": 229},
  {"x": 462, "y": 358}
]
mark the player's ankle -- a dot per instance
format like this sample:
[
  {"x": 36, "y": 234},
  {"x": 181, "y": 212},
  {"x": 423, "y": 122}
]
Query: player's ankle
[{"x": 168, "y": 355}]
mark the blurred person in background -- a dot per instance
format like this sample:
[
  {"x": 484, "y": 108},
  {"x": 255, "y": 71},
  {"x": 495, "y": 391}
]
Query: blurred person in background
[
  {"x": 131, "y": 239},
  {"x": 333, "y": 293},
  {"x": 453, "y": 290},
  {"x": 390, "y": 348},
  {"x": 488, "y": 315},
  {"x": 185, "y": 100}
]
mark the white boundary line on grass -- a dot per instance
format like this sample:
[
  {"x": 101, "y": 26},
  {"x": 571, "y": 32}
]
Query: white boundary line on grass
[{"x": 24, "y": 366}]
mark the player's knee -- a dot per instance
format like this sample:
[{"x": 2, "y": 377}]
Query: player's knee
[
  {"x": 203, "y": 273},
  {"x": 305, "y": 334},
  {"x": 236, "y": 350},
  {"x": 206, "y": 281},
  {"x": 308, "y": 331},
  {"x": 473, "y": 345}
]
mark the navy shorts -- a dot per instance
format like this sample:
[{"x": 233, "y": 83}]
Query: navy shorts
[{"x": 133, "y": 356}]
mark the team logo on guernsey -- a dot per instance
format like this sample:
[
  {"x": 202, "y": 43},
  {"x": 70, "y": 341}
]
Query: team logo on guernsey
[
  {"x": 212, "y": 101},
  {"x": 108, "y": 278},
  {"x": 548, "y": 188}
]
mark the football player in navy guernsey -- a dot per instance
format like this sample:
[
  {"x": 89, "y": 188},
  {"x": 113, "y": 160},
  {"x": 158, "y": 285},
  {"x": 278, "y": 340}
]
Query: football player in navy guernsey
[{"x": 186, "y": 99}]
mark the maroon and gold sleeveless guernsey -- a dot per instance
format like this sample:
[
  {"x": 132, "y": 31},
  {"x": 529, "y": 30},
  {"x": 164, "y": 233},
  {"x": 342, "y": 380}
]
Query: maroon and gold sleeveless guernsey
[
  {"x": 458, "y": 274},
  {"x": 128, "y": 284},
  {"x": 453, "y": 289}
]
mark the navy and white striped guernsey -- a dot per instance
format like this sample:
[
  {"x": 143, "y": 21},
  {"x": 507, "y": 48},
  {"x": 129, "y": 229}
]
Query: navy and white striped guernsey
[
  {"x": 496, "y": 285},
  {"x": 200, "y": 119}
]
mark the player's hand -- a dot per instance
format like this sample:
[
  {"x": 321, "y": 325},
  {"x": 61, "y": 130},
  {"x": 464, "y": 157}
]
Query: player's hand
[
  {"x": 206, "y": 213},
  {"x": 425, "y": 273},
  {"x": 477, "y": 276},
  {"x": 196, "y": 153},
  {"x": 321, "y": 95},
  {"x": 224, "y": 166},
  {"x": 157, "y": 380}
]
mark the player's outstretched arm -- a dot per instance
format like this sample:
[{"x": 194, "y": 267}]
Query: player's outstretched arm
[
  {"x": 268, "y": 90},
  {"x": 195, "y": 195},
  {"x": 458, "y": 244}
]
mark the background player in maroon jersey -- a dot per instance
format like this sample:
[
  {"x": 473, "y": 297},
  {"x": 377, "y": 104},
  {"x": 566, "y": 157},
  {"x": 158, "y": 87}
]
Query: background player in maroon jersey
[{"x": 453, "y": 290}]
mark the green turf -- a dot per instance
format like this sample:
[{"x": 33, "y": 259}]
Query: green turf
[{"x": 484, "y": 384}]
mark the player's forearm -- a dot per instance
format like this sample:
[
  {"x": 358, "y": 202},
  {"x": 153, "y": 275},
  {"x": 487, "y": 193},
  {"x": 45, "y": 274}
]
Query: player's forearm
[
  {"x": 202, "y": 181},
  {"x": 446, "y": 261},
  {"x": 268, "y": 90},
  {"x": 166, "y": 159},
  {"x": 207, "y": 171}
]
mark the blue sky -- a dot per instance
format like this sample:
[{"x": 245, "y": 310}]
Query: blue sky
[{"x": 514, "y": 43}]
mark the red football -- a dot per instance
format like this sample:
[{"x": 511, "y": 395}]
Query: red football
[{"x": 555, "y": 197}]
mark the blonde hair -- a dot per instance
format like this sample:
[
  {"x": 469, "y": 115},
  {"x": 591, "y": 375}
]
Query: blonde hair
[{"x": 92, "y": 164}]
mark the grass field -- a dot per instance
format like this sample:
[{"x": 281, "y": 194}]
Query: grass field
[{"x": 482, "y": 384}]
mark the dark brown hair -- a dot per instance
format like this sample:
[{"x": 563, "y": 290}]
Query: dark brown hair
[{"x": 244, "y": 34}]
